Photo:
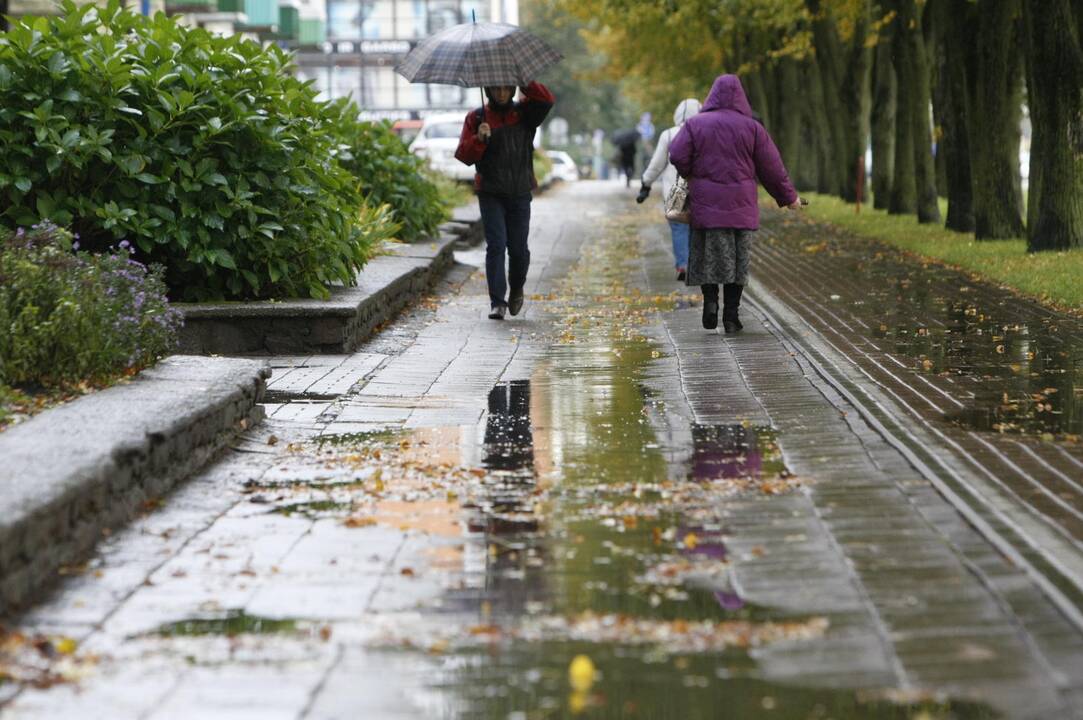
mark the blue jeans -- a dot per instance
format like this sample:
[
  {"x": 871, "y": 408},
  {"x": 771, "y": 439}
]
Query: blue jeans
[
  {"x": 680, "y": 232},
  {"x": 506, "y": 220}
]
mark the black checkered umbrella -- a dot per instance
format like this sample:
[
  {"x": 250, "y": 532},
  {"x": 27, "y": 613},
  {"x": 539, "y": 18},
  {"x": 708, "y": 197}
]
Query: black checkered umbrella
[{"x": 479, "y": 55}]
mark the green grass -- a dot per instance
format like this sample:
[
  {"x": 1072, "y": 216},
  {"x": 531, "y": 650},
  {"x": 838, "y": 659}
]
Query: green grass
[{"x": 1053, "y": 278}]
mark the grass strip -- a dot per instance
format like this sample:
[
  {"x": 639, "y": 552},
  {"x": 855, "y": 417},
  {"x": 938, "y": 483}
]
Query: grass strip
[{"x": 1052, "y": 278}]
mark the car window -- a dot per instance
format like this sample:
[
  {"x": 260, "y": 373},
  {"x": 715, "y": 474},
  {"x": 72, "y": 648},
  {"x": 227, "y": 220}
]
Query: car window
[{"x": 443, "y": 130}]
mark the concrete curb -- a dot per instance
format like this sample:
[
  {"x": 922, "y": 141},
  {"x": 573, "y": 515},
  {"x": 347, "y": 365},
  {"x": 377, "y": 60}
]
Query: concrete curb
[
  {"x": 73, "y": 472},
  {"x": 386, "y": 285}
]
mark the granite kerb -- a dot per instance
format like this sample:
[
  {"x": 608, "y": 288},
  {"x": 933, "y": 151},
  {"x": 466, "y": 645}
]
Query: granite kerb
[
  {"x": 388, "y": 283},
  {"x": 76, "y": 471}
]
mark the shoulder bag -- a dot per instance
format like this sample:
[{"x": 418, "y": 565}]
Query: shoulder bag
[{"x": 677, "y": 201}]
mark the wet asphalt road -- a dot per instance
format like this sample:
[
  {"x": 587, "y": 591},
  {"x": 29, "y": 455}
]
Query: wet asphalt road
[{"x": 439, "y": 524}]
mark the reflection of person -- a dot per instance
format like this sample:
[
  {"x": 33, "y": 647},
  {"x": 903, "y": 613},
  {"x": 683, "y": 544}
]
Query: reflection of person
[
  {"x": 725, "y": 452},
  {"x": 723, "y": 152},
  {"x": 509, "y": 442},
  {"x": 498, "y": 139},
  {"x": 660, "y": 166}
]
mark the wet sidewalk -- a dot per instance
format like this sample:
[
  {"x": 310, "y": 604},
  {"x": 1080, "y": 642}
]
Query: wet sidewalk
[{"x": 596, "y": 509}]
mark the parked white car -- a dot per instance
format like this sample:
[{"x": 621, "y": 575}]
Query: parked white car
[
  {"x": 564, "y": 167},
  {"x": 436, "y": 142}
]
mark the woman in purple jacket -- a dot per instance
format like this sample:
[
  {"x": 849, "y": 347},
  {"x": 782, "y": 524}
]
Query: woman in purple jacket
[{"x": 722, "y": 152}]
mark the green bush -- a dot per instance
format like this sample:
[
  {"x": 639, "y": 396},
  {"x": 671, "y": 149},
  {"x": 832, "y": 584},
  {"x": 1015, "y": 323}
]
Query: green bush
[
  {"x": 389, "y": 173},
  {"x": 77, "y": 317},
  {"x": 204, "y": 152}
]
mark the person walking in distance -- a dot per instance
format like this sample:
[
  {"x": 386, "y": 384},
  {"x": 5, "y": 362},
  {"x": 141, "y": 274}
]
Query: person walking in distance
[
  {"x": 660, "y": 166},
  {"x": 498, "y": 140},
  {"x": 722, "y": 152}
]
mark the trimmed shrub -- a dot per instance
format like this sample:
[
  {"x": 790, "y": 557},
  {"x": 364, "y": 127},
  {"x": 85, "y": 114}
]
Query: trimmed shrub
[
  {"x": 204, "y": 152},
  {"x": 77, "y": 317},
  {"x": 389, "y": 173}
]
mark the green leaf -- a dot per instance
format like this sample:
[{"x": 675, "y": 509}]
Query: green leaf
[
  {"x": 149, "y": 179},
  {"x": 23, "y": 184},
  {"x": 224, "y": 259}
]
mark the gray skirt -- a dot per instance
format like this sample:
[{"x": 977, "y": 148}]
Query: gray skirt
[{"x": 718, "y": 256}]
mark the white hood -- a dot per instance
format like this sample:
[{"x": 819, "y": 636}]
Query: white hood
[{"x": 685, "y": 109}]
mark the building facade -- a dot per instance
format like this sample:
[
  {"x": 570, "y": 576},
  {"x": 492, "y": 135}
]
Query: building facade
[{"x": 366, "y": 39}]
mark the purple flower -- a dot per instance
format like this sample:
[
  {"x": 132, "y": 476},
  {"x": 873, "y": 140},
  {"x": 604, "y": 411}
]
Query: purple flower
[{"x": 75, "y": 245}]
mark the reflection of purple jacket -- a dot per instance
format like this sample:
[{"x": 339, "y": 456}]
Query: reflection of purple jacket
[{"x": 722, "y": 152}]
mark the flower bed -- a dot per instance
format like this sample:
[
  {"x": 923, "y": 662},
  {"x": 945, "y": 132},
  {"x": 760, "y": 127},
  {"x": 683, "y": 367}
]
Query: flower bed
[{"x": 70, "y": 319}]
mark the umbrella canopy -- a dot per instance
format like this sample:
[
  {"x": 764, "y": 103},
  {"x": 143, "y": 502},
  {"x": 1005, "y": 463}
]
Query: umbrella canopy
[
  {"x": 625, "y": 137},
  {"x": 479, "y": 55}
]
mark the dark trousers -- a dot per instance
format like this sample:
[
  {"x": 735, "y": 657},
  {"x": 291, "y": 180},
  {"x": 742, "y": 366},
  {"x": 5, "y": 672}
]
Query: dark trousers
[{"x": 506, "y": 220}]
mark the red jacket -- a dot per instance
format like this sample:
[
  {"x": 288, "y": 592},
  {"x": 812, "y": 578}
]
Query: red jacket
[{"x": 505, "y": 163}]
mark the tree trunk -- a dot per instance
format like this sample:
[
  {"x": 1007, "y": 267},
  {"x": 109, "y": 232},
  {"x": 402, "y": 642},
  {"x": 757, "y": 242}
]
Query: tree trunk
[
  {"x": 829, "y": 64},
  {"x": 955, "y": 55},
  {"x": 882, "y": 120},
  {"x": 819, "y": 128},
  {"x": 903, "y": 183},
  {"x": 856, "y": 104},
  {"x": 1055, "y": 74},
  {"x": 757, "y": 97},
  {"x": 787, "y": 113},
  {"x": 996, "y": 101},
  {"x": 921, "y": 101}
]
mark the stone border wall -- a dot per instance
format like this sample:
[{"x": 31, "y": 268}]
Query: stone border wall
[
  {"x": 76, "y": 471},
  {"x": 388, "y": 284}
]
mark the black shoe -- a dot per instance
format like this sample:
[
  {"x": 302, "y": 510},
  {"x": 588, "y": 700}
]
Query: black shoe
[
  {"x": 710, "y": 314},
  {"x": 497, "y": 312},
  {"x": 681, "y": 274},
  {"x": 731, "y": 304},
  {"x": 515, "y": 302}
]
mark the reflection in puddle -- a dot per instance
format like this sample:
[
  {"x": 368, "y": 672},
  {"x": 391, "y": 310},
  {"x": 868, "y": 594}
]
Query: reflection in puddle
[
  {"x": 730, "y": 452},
  {"x": 509, "y": 444}
]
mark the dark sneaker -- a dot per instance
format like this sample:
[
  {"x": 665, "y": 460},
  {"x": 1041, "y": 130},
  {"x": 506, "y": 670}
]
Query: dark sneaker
[
  {"x": 497, "y": 312},
  {"x": 515, "y": 302},
  {"x": 710, "y": 315},
  {"x": 681, "y": 272},
  {"x": 731, "y": 326}
]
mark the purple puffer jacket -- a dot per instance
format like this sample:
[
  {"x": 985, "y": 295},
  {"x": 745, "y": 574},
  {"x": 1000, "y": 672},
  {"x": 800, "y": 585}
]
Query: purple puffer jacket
[{"x": 722, "y": 152}]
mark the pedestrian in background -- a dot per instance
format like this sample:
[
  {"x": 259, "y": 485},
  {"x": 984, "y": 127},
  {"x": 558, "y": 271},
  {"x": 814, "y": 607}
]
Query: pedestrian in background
[
  {"x": 660, "y": 166},
  {"x": 498, "y": 139},
  {"x": 722, "y": 152},
  {"x": 626, "y": 142}
]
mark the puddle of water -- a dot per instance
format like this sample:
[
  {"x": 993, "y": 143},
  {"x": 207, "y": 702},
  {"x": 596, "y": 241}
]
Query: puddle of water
[
  {"x": 314, "y": 508},
  {"x": 229, "y": 624},
  {"x": 734, "y": 451},
  {"x": 369, "y": 437},
  {"x": 1024, "y": 366},
  {"x": 272, "y": 397},
  {"x": 532, "y": 682}
]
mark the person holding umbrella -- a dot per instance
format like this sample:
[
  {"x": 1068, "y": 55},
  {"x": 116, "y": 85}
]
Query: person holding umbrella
[
  {"x": 498, "y": 137},
  {"x": 498, "y": 140}
]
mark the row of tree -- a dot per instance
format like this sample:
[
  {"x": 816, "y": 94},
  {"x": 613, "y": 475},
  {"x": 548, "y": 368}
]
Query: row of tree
[{"x": 937, "y": 88}]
